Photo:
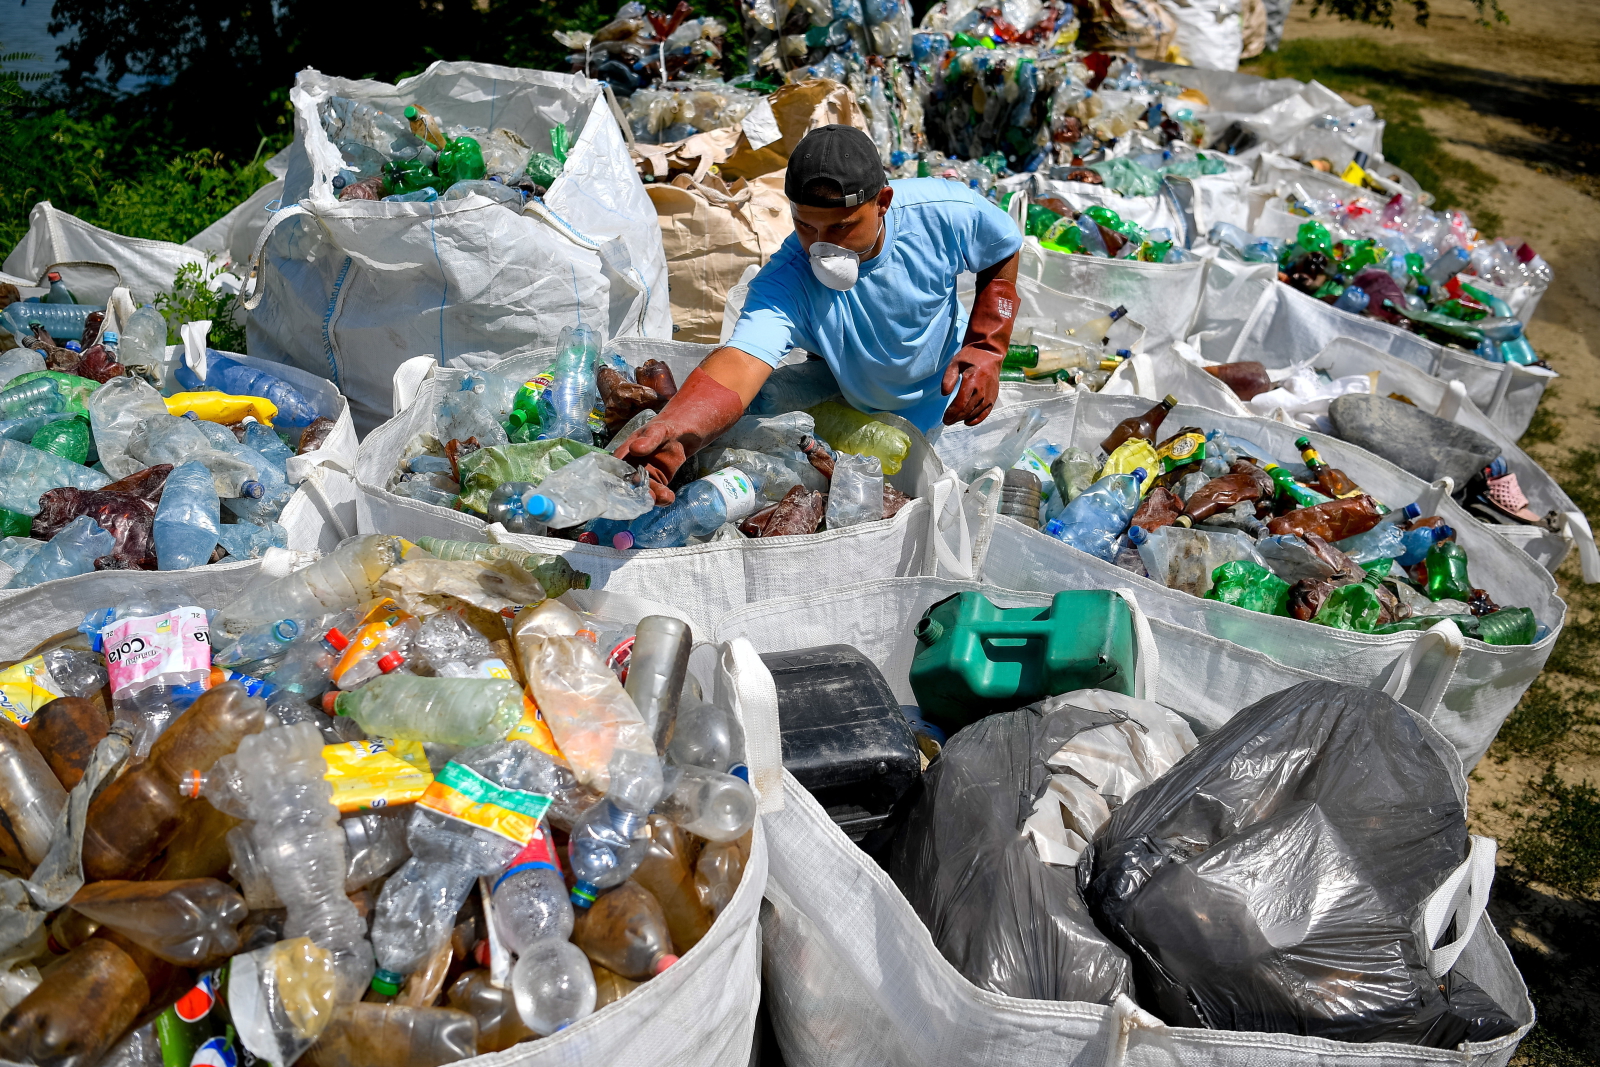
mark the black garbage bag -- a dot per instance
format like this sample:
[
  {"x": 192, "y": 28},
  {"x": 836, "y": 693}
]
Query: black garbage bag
[
  {"x": 1007, "y": 921},
  {"x": 1271, "y": 881}
]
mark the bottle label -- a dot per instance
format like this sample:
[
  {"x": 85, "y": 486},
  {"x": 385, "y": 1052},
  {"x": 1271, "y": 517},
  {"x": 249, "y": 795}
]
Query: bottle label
[
  {"x": 372, "y": 636},
  {"x": 140, "y": 650},
  {"x": 461, "y": 793},
  {"x": 738, "y": 492},
  {"x": 539, "y": 852},
  {"x": 1031, "y": 462},
  {"x": 25, "y": 688},
  {"x": 375, "y": 774},
  {"x": 1182, "y": 449},
  {"x": 533, "y": 729}
]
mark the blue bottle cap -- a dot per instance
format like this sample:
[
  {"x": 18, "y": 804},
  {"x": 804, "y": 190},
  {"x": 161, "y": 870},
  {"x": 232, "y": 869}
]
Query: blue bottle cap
[
  {"x": 1138, "y": 535},
  {"x": 253, "y": 490},
  {"x": 584, "y": 894},
  {"x": 285, "y": 630},
  {"x": 1140, "y": 474},
  {"x": 539, "y": 507}
]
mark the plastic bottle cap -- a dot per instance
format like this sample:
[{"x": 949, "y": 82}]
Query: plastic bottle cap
[
  {"x": 622, "y": 540},
  {"x": 588, "y": 537},
  {"x": 53, "y": 276},
  {"x": 190, "y": 786},
  {"x": 390, "y": 661},
  {"x": 253, "y": 490},
  {"x": 329, "y": 699},
  {"x": 1412, "y": 511},
  {"x": 583, "y": 894},
  {"x": 540, "y": 507},
  {"x": 337, "y": 639},
  {"x": 110, "y": 337},
  {"x": 1140, "y": 474},
  {"x": 387, "y": 983},
  {"x": 285, "y": 630},
  {"x": 1138, "y": 535},
  {"x": 664, "y": 962},
  {"x": 1443, "y": 533}
]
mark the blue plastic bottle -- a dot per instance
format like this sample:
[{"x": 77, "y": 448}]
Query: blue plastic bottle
[
  {"x": 564, "y": 407},
  {"x": 726, "y": 496},
  {"x": 72, "y": 551},
  {"x": 1353, "y": 299},
  {"x": 1094, "y": 522},
  {"x": 1419, "y": 541},
  {"x": 230, "y": 376},
  {"x": 186, "y": 520}
]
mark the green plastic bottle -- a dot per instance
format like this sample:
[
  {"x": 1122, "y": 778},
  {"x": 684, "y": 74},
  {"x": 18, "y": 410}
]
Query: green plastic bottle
[
  {"x": 1447, "y": 572},
  {"x": 1247, "y": 584},
  {"x": 1302, "y": 495},
  {"x": 460, "y": 161},
  {"x": 1351, "y": 607},
  {"x": 407, "y": 176},
  {"x": 451, "y": 711},
  {"x": 1313, "y": 236},
  {"x": 1508, "y": 626},
  {"x": 67, "y": 438},
  {"x": 15, "y": 524}
]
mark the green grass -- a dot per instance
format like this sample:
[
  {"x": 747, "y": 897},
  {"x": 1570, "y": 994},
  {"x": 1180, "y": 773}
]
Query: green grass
[
  {"x": 1546, "y": 720},
  {"x": 1544, "y": 428},
  {"x": 1558, "y": 840}
]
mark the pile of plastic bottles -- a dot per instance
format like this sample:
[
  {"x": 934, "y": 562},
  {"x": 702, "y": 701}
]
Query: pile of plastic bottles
[
  {"x": 640, "y": 48},
  {"x": 1420, "y": 270},
  {"x": 114, "y": 457},
  {"x": 1100, "y": 231},
  {"x": 418, "y": 159},
  {"x": 356, "y": 793},
  {"x": 1218, "y": 516},
  {"x": 528, "y": 455},
  {"x": 674, "y": 112}
]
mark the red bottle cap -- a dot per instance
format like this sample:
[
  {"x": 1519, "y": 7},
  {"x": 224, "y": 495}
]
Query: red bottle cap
[
  {"x": 1525, "y": 253},
  {"x": 664, "y": 962},
  {"x": 330, "y": 698},
  {"x": 588, "y": 537},
  {"x": 337, "y": 639},
  {"x": 55, "y": 276},
  {"x": 390, "y": 661}
]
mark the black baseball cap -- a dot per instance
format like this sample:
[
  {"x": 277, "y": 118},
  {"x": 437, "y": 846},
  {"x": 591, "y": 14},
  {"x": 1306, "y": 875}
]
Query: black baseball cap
[{"x": 840, "y": 154}]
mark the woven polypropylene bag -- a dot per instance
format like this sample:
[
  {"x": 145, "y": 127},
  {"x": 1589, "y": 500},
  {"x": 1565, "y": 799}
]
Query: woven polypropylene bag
[
  {"x": 853, "y": 977},
  {"x": 1481, "y": 683}
]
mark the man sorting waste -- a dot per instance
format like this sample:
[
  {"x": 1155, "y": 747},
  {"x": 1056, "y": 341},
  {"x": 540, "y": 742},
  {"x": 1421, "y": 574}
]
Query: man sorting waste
[{"x": 867, "y": 282}]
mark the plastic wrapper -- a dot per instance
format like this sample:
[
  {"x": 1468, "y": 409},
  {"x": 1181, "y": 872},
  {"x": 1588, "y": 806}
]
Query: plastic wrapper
[
  {"x": 1186, "y": 559},
  {"x": 1271, "y": 881},
  {"x": 970, "y": 865},
  {"x": 856, "y": 493}
]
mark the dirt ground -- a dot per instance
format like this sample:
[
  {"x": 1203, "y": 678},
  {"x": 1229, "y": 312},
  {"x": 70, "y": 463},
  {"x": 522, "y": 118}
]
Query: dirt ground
[{"x": 1519, "y": 100}]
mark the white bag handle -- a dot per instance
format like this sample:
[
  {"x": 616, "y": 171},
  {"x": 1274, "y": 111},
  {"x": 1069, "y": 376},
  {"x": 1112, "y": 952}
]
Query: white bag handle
[
  {"x": 1147, "y": 667},
  {"x": 1125, "y": 1017},
  {"x": 1577, "y": 526},
  {"x": 250, "y": 295},
  {"x": 744, "y": 684},
  {"x": 1448, "y": 639},
  {"x": 945, "y": 511},
  {"x": 194, "y": 345},
  {"x": 408, "y": 379},
  {"x": 1463, "y": 896}
]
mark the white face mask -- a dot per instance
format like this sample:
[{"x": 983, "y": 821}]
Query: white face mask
[{"x": 837, "y": 266}]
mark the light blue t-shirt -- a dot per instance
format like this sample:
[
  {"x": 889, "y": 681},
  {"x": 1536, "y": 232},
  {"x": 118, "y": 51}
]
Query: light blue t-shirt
[{"x": 889, "y": 337}]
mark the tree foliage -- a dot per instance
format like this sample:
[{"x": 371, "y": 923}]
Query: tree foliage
[{"x": 1382, "y": 12}]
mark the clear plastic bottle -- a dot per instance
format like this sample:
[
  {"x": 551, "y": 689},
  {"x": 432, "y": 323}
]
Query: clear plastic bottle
[
  {"x": 855, "y": 494},
  {"x": 1005, "y": 452},
  {"x": 265, "y": 440},
  {"x": 154, "y": 649},
  {"x": 657, "y": 667},
  {"x": 700, "y": 509},
  {"x": 115, "y": 410},
  {"x": 144, "y": 340},
  {"x": 499, "y": 1025},
  {"x": 708, "y": 735},
  {"x": 340, "y": 580},
  {"x": 377, "y": 647},
  {"x": 295, "y": 822},
  {"x": 449, "y": 852},
  {"x": 251, "y": 507},
  {"x": 456, "y": 711},
  {"x": 465, "y": 413},
  {"x": 169, "y": 439},
  {"x": 594, "y": 720},
  {"x": 564, "y": 407},
  {"x": 1073, "y": 472},
  {"x": 708, "y": 804},
  {"x": 185, "y": 922},
  {"x": 595, "y": 485},
  {"x": 42, "y": 396},
  {"x": 1095, "y": 520},
  {"x": 26, "y": 474},
  {"x": 626, "y": 931},
  {"x": 530, "y": 898},
  {"x": 246, "y": 540},
  {"x": 230, "y": 376},
  {"x": 31, "y": 798},
  {"x": 131, "y": 820},
  {"x": 185, "y": 530},
  {"x": 553, "y": 986},
  {"x": 18, "y": 361},
  {"x": 258, "y": 643},
  {"x": 606, "y": 845},
  {"x": 71, "y": 552},
  {"x": 375, "y": 842}
]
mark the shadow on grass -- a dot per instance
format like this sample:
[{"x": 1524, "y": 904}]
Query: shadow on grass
[
  {"x": 1562, "y": 118},
  {"x": 1555, "y": 943}
]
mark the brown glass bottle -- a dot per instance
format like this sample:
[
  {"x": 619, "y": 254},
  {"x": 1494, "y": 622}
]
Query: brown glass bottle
[
  {"x": 79, "y": 1011},
  {"x": 1331, "y": 480},
  {"x": 626, "y": 931},
  {"x": 136, "y": 816},
  {"x": 66, "y": 731},
  {"x": 1145, "y": 426},
  {"x": 669, "y": 876}
]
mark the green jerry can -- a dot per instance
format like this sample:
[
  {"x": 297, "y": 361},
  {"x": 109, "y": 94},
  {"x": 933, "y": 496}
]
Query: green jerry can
[{"x": 974, "y": 659}]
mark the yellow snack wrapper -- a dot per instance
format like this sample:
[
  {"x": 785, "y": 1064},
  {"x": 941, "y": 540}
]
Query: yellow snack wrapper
[
  {"x": 25, "y": 688},
  {"x": 533, "y": 729},
  {"x": 1131, "y": 454},
  {"x": 376, "y": 773}
]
